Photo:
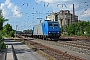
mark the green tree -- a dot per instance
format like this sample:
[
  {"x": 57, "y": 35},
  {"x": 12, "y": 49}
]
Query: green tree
[
  {"x": 80, "y": 29},
  {"x": 71, "y": 29},
  {"x": 87, "y": 29},
  {"x": 8, "y": 31},
  {"x": 27, "y": 31},
  {"x": 61, "y": 29},
  {"x": 11, "y": 33},
  {"x": 2, "y": 20},
  {"x": 2, "y": 45}
]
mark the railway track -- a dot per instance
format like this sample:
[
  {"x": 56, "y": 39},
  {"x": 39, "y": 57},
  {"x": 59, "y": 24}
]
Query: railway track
[
  {"x": 80, "y": 46},
  {"x": 77, "y": 38},
  {"x": 57, "y": 54}
]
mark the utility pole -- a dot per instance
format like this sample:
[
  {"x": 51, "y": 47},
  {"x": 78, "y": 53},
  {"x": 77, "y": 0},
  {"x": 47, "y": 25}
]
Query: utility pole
[
  {"x": 16, "y": 31},
  {"x": 40, "y": 19}
]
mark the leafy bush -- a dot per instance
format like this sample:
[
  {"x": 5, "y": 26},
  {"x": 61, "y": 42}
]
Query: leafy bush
[
  {"x": 8, "y": 31},
  {"x": 3, "y": 46},
  {"x": 11, "y": 33},
  {"x": 1, "y": 39},
  {"x": 79, "y": 29}
]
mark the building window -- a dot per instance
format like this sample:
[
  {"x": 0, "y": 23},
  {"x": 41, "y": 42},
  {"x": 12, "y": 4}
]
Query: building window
[
  {"x": 56, "y": 17},
  {"x": 68, "y": 22}
]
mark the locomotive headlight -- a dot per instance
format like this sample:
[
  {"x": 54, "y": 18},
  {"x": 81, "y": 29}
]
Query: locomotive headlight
[
  {"x": 49, "y": 32},
  {"x": 57, "y": 32}
]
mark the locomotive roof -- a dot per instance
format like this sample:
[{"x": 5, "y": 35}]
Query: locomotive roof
[{"x": 49, "y": 21}]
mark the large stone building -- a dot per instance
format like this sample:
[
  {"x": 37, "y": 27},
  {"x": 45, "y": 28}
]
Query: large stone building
[{"x": 64, "y": 17}]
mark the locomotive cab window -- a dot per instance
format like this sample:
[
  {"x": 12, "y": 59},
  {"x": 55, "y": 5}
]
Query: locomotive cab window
[
  {"x": 50, "y": 24},
  {"x": 55, "y": 24}
]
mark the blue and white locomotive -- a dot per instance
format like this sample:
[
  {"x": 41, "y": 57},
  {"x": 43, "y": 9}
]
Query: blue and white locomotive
[{"x": 47, "y": 29}]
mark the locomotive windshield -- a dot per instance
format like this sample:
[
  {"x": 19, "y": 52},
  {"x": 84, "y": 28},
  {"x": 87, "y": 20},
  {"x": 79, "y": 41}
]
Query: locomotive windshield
[
  {"x": 55, "y": 24},
  {"x": 51, "y": 24}
]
